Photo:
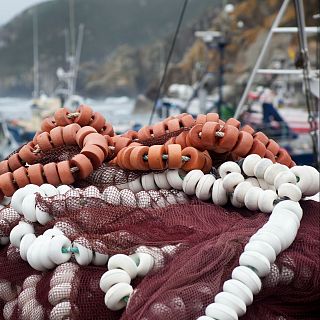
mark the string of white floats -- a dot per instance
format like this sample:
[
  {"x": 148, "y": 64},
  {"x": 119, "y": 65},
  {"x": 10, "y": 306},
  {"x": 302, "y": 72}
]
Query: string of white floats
[
  {"x": 258, "y": 185},
  {"x": 52, "y": 249},
  {"x": 121, "y": 270},
  {"x": 255, "y": 262}
]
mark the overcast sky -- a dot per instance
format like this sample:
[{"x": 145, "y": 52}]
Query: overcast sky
[{"x": 11, "y": 8}]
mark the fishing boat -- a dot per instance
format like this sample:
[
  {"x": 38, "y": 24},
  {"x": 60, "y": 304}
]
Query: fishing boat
[{"x": 64, "y": 95}]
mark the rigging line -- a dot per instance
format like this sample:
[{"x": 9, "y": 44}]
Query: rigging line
[
  {"x": 306, "y": 79},
  {"x": 317, "y": 111},
  {"x": 168, "y": 59}
]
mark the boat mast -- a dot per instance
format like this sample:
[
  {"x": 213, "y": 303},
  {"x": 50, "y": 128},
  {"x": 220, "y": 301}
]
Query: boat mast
[
  {"x": 67, "y": 44},
  {"x": 75, "y": 51},
  {"x": 71, "y": 26},
  {"x": 77, "y": 57},
  {"x": 70, "y": 58},
  {"x": 35, "y": 55}
]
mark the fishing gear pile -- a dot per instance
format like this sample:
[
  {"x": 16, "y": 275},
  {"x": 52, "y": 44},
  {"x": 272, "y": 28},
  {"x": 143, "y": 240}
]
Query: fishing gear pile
[{"x": 184, "y": 219}]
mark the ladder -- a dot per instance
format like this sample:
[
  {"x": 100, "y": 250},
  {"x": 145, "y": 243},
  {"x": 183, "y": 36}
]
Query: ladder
[{"x": 301, "y": 30}]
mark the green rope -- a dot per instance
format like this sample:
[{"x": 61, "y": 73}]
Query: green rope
[
  {"x": 70, "y": 249},
  {"x": 253, "y": 269}
]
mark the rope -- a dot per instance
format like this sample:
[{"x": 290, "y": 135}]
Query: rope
[
  {"x": 306, "y": 80},
  {"x": 169, "y": 58},
  {"x": 318, "y": 68}
]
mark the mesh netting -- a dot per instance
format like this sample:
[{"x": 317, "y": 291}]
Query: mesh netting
[
  {"x": 195, "y": 247},
  {"x": 111, "y": 229},
  {"x": 107, "y": 175},
  {"x": 59, "y": 154},
  {"x": 163, "y": 138},
  {"x": 196, "y": 272}
]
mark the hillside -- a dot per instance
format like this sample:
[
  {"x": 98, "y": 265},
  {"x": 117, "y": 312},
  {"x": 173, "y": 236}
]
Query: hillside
[
  {"x": 126, "y": 43},
  {"x": 109, "y": 24}
]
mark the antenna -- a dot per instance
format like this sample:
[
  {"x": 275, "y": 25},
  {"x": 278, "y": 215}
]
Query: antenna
[{"x": 71, "y": 26}]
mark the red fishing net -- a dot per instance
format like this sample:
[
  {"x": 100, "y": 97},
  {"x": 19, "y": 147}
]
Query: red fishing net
[{"x": 195, "y": 245}]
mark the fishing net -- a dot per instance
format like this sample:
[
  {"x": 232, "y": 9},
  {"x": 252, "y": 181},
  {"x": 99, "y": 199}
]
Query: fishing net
[{"x": 195, "y": 245}]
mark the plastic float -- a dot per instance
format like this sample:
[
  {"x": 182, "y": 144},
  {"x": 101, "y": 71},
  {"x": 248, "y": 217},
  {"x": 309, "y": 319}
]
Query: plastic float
[{"x": 186, "y": 219}]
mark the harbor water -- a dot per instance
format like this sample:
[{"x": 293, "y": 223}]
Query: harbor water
[{"x": 117, "y": 110}]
